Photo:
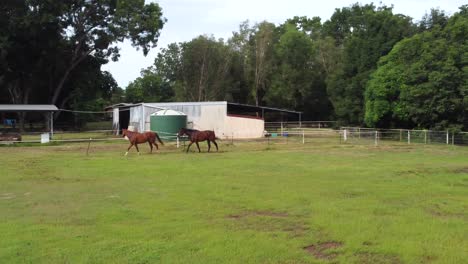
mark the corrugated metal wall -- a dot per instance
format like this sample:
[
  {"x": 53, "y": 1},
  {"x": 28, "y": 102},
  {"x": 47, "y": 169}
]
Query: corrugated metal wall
[{"x": 200, "y": 115}]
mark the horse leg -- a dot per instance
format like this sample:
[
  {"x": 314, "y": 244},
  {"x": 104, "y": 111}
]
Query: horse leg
[
  {"x": 126, "y": 153},
  {"x": 151, "y": 146},
  {"x": 156, "y": 145},
  {"x": 214, "y": 142},
  {"x": 196, "y": 142},
  {"x": 188, "y": 147},
  {"x": 136, "y": 146},
  {"x": 209, "y": 145}
]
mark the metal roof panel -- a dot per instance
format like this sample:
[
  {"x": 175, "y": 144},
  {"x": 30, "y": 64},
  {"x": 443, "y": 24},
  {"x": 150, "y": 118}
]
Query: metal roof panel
[{"x": 27, "y": 108}]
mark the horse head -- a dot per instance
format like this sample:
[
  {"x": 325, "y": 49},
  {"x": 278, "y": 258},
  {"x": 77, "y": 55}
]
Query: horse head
[
  {"x": 124, "y": 132},
  {"x": 182, "y": 131}
]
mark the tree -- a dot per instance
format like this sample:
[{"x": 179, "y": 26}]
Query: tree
[
  {"x": 45, "y": 41},
  {"x": 93, "y": 28},
  {"x": 196, "y": 70},
  {"x": 364, "y": 33},
  {"x": 263, "y": 54},
  {"x": 423, "y": 82},
  {"x": 149, "y": 87},
  {"x": 298, "y": 82}
]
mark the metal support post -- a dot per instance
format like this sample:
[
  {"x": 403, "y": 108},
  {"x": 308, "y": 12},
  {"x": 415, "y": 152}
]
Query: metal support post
[{"x": 51, "y": 124}]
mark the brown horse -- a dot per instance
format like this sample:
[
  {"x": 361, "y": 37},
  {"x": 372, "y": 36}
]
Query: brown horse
[
  {"x": 197, "y": 136},
  {"x": 136, "y": 138}
]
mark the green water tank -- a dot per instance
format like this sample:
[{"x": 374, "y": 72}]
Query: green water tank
[{"x": 167, "y": 123}]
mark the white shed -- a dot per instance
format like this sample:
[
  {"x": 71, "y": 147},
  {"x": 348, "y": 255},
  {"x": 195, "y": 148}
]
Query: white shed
[{"x": 200, "y": 115}]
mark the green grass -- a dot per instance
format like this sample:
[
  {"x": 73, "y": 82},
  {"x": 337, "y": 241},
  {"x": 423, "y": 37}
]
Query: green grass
[{"x": 250, "y": 203}]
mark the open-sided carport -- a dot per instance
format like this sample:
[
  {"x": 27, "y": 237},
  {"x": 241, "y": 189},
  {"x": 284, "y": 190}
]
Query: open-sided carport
[{"x": 39, "y": 108}]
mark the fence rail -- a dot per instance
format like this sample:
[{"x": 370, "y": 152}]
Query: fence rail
[
  {"x": 308, "y": 131},
  {"x": 304, "y": 124},
  {"x": 367, "y": 135}
]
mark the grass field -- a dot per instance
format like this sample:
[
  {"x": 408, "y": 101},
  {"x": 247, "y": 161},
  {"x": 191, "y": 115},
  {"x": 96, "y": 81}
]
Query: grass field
[{"x": 250, "y": 203}]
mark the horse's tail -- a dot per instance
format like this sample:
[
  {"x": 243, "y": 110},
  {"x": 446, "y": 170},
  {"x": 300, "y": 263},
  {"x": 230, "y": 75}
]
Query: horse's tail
[{"x": 158, "y": 138}]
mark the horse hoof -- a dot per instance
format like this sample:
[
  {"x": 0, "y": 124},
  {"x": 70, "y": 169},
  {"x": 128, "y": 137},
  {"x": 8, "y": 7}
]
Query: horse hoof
[{"x": 126, "y": 153}]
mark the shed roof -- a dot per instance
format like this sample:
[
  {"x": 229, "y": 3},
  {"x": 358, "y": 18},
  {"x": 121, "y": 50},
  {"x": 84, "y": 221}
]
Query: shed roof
[
  {"x": 265, "y": 108},
  {"x": 237, "y": 105},
  {"x": 27, "y": 108}
]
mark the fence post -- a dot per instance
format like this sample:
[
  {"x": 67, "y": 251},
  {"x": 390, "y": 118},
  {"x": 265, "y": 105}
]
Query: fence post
[
  {"x": 453, "y": 138},
  {"x": 303, "y": 138},
  {"x": 178, "y": 143},
  {"x": 89, "y": 144},
  {"x": 281, "y": 128},
  {"x": 409, "y": 137},
  {"x": 447, "y": 137},
  {"x": 425, "y": 136},
  {"x": 376, "y": 136},
  {"x": 345, "y": 135},
  {"x": 401, "y": 135}
]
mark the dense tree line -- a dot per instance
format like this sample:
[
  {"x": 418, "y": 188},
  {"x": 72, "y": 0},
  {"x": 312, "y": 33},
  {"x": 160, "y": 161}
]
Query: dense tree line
[{"x": 363, "y": 66}]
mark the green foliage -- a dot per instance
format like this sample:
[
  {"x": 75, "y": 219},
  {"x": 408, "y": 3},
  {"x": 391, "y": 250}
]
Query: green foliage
[
  {"x": 298, "y": 82},
  {"x": 365, "y": 33},
  {"x": 423, "y": 81},
  {"x": 197, "y": 70},
  {"x": 150, "y": 87},
  {"x": 51, "y": 51}
]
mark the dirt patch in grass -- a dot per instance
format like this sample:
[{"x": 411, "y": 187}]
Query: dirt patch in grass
[
  {"x": 269, "y": 221},
  {"x": 297, "y": 229},
  {"x": 322, "y": 250},
  {"x": 372, "y": 258},
  {"x": 437, "y": 212},
  {"x": 463, "y": 170},
  {"x": 258, "y": 213},
  {"x": 444, "y": 212},
  {"x": 416, "y": 172},
  {"x": 367, "y": 243}
]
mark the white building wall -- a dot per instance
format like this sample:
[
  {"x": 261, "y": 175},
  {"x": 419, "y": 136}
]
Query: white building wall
[
  {"x": 242, "y": 127},
  {"x": 135, "y": 122},
  {"x": 201, "y": 116},
  {"x": 115, "y": 120}
]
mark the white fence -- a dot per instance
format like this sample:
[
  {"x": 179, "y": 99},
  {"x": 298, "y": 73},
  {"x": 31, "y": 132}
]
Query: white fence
[
  {"x": 285, "y": 132},
  {"x": 295, "y": 125},
  {"x": 357, "y": 135}
]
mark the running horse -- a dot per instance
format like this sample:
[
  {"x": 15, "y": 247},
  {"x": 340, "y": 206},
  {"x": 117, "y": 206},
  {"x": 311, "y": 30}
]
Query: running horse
[
  {"x": 196, "y": 136},
  {"x": 136, "y": 138}
]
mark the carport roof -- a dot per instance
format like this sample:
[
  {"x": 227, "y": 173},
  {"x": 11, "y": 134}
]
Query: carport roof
[{"x": 27, "y": 108}]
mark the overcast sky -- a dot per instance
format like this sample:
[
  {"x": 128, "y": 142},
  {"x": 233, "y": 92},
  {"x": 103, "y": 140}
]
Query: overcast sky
[{"x": 187, "y": 19}]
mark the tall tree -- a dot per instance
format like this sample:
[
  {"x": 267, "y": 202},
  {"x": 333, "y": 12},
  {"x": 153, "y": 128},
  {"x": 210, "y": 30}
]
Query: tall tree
[
  {"x": 197, "y": 70},
  {"x": 44, "y": 41},
  {"x": 365, "y": 33},
  {"x": 262, "y": 58},
  {"x": 298, "y": 82},
  {"x": 94, "y": 27},
  {"x": 150, "y": 87},
  {"x": 423, "y": 82}
]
